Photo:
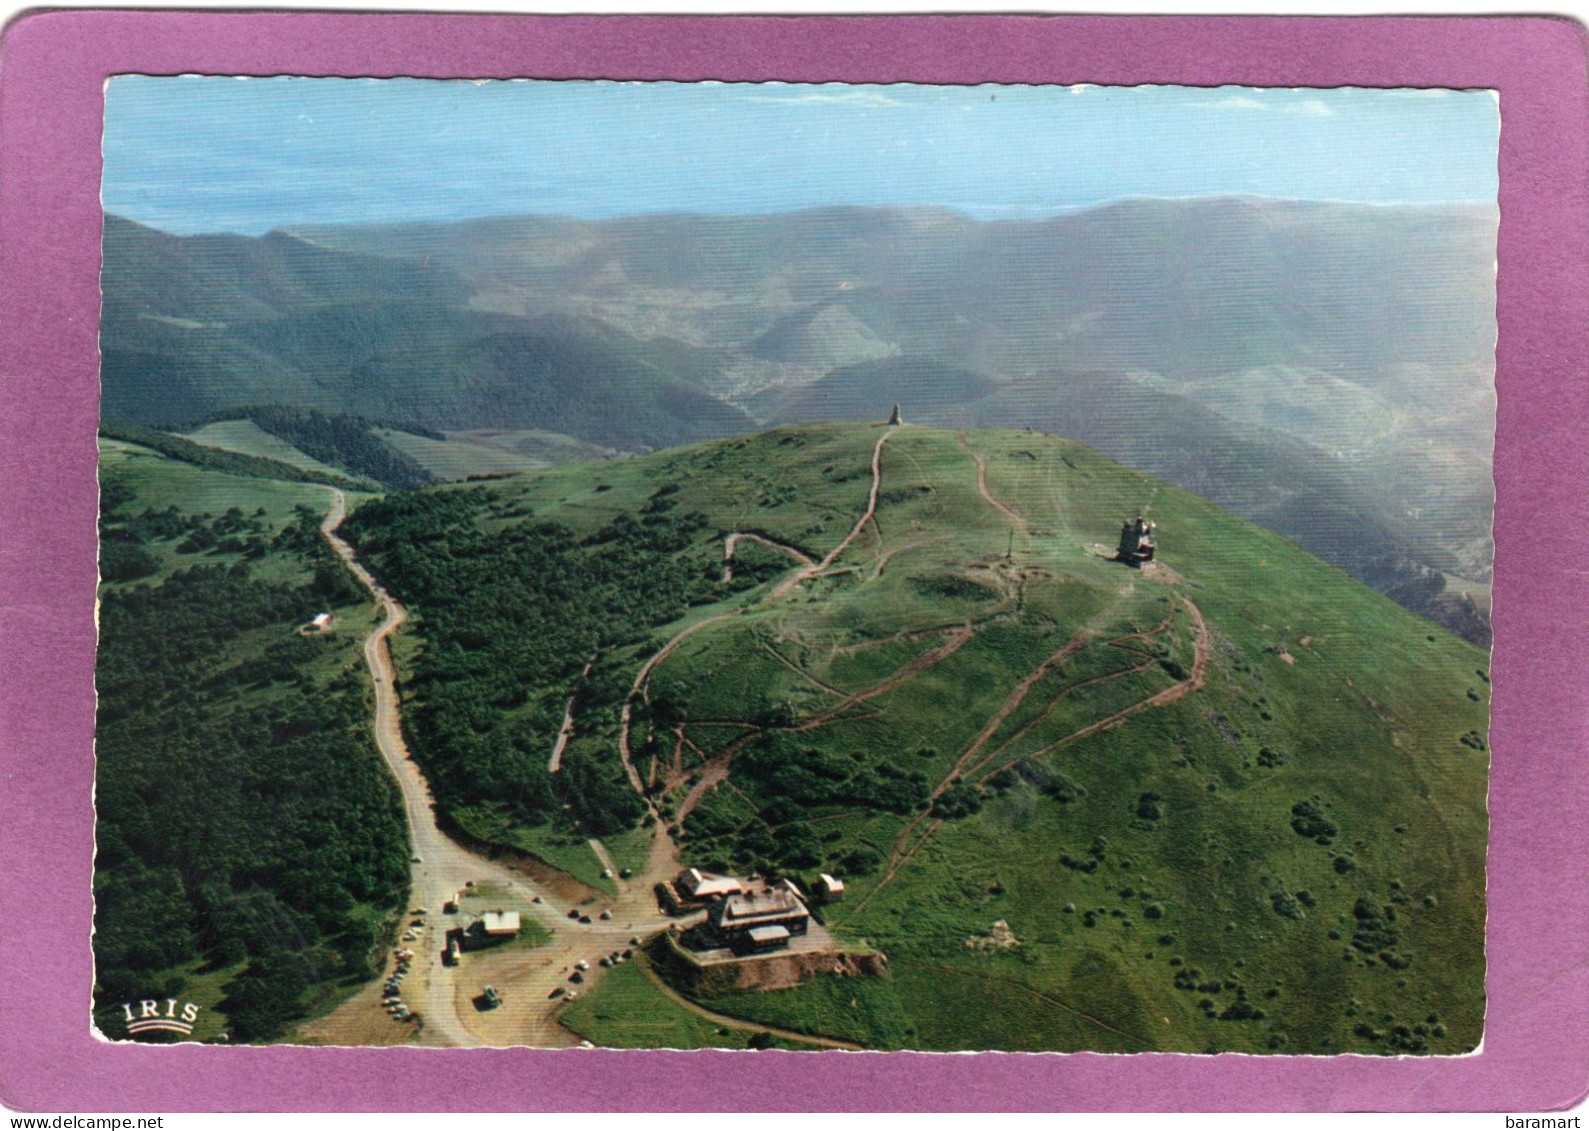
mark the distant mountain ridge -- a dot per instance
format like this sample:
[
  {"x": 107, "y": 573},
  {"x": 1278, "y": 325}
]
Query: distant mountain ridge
[{"x": 1323, "y": 368}]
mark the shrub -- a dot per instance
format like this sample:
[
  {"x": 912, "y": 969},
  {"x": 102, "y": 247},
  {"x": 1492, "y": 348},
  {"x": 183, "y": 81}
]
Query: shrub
[
  {"x": 1308, "y": 820},
  {"x": 1286, "y": 906}
]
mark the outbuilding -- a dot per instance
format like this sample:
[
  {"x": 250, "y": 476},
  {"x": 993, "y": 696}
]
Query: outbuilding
[
  {"x": 701, "y": 886},
  {"x": 760, "y": 940},
  {"x": 498, "y": 924}
]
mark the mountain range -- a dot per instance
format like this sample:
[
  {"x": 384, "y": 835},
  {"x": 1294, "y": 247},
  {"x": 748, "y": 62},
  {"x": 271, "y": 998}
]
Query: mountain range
[{"x": 1324, "y": 369}]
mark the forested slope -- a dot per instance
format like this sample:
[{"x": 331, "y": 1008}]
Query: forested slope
[{"x": 250, "y": 844}]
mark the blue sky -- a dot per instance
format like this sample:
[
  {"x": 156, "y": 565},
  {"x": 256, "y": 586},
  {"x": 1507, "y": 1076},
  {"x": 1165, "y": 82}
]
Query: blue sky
[{"x": 202, "y": 154}]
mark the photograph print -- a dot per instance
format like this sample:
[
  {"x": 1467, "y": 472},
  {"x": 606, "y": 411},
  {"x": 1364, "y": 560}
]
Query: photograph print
[{"x": 802, "y": 566}]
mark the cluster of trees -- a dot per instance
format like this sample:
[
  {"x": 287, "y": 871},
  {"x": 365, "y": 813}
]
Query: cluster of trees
[
  {"x": 787, "y": 785},
  {"x": 341, "y": 440},
  {"x": 788, "y": 781},
  {"x": 245, "y": 821},
  {"x": 1308, "y": 819},
  {"x": 509, "y": 618},
  {"x": 124, "y": 540},
  {"x": 233, "y": 463}
]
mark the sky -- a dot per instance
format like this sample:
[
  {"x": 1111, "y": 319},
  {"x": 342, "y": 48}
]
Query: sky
[{"x": 206, "y": 154}]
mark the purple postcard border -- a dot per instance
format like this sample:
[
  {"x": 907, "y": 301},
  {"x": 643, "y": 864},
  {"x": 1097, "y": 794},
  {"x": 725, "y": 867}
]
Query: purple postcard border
[{"x": 52, "y": 67}]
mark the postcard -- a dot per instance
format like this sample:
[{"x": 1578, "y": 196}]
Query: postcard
[{"x": 811, "y": 569}]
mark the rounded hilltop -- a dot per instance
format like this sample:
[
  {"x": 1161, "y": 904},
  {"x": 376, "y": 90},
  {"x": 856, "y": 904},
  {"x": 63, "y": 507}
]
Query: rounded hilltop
[{"x": 909, "y": 657}]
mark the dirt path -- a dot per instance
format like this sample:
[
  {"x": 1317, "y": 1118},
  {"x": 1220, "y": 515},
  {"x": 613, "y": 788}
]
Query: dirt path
[
  {"x": 640, "y": 678},
  {"x": 867, "y": 515},
  {"x": 1202, "y": 648},
  {"x": 799, "y": 671},
  {"x": 1022, "y": 986},
  {"x": 957, "y": 638},
  {"x": 725, "y": 1022},
  {"x": 715, "y": 770},
  {"x": 888, "y": 555},
  {"x": 613, "y": 870},
  {"x": 566, "y": 730},
  {"x": 1013, "y": 700},
  {"x": 711, "y": 774},
  {"x": 903, "y": 637},
  {"x": 732, "y": 541},
  {"x": 905, "y": 848},
  {"x": 1042, "y": 716},
  {"x": 441, "y": 867},
  {"x": 1016, "y": 519},
  {"x": 903, "y": 852}
]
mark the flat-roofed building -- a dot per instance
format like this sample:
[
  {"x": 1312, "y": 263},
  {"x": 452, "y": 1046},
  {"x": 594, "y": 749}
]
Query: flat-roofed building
[
  {"x": 759, "y": 940},
  {"x": 500, "y": 923}
]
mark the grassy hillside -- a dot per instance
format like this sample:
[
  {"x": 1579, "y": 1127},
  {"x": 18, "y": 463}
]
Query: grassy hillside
[
  {"x": 250, "y": 843},
  {"x": 247, "y": 438},
  {"x": 1232, "y": 802}
]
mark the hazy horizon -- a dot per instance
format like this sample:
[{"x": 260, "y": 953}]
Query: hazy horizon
[
  {"x": 618, "y": 217},
  {"x": 195, "y": 154}
]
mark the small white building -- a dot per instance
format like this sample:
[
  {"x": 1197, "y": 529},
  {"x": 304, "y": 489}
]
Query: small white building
[
  {"x": 321, "y": 622},
  {"x": 830, "y": 889},
  {"x": 499, "y": 923}
]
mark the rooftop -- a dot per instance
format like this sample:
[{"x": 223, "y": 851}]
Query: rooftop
[{"x": 499, "y": 922}]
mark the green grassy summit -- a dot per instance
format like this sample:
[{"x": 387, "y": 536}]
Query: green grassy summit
[{"x": 1233, "y": 801}]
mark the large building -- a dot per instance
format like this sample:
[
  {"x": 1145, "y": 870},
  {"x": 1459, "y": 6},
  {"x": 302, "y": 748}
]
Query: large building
[{"x": 757, "y": 921}]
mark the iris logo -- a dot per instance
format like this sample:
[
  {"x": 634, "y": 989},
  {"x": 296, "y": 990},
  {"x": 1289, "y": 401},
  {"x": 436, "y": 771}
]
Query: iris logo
[{"x": 144, "y": 1016}]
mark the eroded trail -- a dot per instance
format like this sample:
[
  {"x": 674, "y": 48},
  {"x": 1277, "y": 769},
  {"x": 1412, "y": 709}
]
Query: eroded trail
[
  {"x": 913, "y": 837},
  {"x": 868, "y": 515},
  {"x": 731, "y": 543},
  {"x": 716, "y": 769},
  {"x": 1016, "y": 518},
  {"x": 1202, "y": 648},
  {"x": 626, "y": 715},
  {"x": 566, "y": 730},
  {"x": 955, "y": 640}
]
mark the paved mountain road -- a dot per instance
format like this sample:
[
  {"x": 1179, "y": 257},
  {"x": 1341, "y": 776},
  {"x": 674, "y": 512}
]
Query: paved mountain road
[{"x": 443, "y": 995}]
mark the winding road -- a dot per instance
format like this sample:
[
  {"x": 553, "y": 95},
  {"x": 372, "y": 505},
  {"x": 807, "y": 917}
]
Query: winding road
[
  {"x": 443, "y": 995},
  {"x": 535, "y": 981}
]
